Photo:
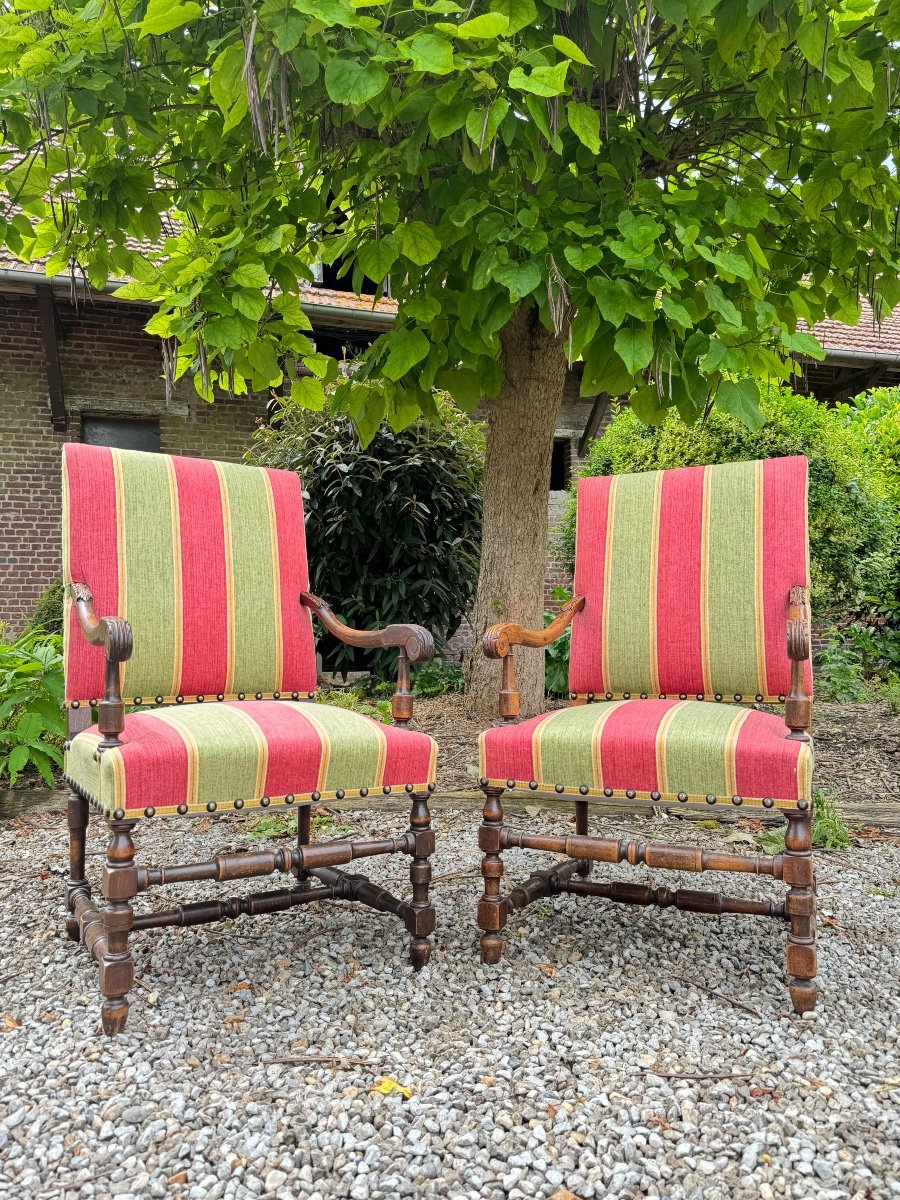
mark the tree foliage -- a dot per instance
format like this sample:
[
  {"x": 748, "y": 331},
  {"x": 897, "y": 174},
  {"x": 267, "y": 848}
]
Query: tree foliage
[{"x": 671, "y": 185}]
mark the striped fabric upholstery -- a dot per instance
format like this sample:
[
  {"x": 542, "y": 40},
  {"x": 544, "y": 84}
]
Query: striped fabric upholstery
[
  {"x": 686, "y": 575},
  {"x": 660, "y": 750},
  {"x": 201, "y": 757},
  {"x": 205, "y": 559}
]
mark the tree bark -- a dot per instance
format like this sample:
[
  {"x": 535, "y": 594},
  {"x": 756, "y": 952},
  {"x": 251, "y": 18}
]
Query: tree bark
[{"x": 521, "y": 422}]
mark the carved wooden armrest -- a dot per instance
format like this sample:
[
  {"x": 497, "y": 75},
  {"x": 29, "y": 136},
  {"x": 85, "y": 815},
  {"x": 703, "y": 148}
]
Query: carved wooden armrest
[
  {"x": 798, "y": 706},
  {"x": 499, "y": 640},
  {"x": 114, "y": 635},
  {"x": 414, "y": 643}
]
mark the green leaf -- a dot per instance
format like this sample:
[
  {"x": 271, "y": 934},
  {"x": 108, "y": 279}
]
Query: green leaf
[
  {"x": 407, "y": 347},
  {"x": 818, "y": 192},
  {"x": 520, "y": 278},
  {"x": 567, "y": 47},
  {"x": 264, "y": 361},
  {"x": 308, "y": 393},
  {"x": 719, "y": 302},
  {"x": 611, "y": 298},
  {"x": 29, "y": 727},
  {"x": 803, "y": 343},
  {"x": 584, "y": 122},
  {"x": 430, "y": 52},
  {"x": 634, "y": 346},
  {"x": 675, "y": 311},
  {"x": 445, "y": 119},
  {"x": 251, "y": 305},
  {"x": 740, "y": 398},
  {"x": 164, "y": 15},
  {"x": 543, "y": 81},
  {"x": 251, "y": 275},
  {"x": 348, "y": 81},
  {"x": 226, "y": 78},
  {"x": 583, "y": 258},
  {"x": 518, "y": 13},
  {"x": 42, "y": 763},
  {"x": 733, "y": 264},
  {"x": 811, "y": 40},
  {"x": 646, "y": 405},
  {"x": 488, "y": 25},
  {"x": 377, "y": 258},
  {"x": 417, "y": 242}
]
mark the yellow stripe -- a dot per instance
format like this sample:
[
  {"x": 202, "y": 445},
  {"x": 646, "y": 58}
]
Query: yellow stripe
[
  {"x": 608, "y": 709},
  {"x": 178, "y": 598},
  {"x": 654, "y": 568},
  {"x": 607, "y": 579},
  {"x": 662, "y": 770},
  {"x": 731, "y": 751},
  {"x": 326, "y": 748},
  {"x": 804, "y": 771},
  {"x": 262, "y": 749},
  {"x": 276, "y": 580},
  {"x": 704, "y": 586},
  {"x": 432, "y": 762},
  {"x": 760, "y": 607},
  {"x": 121, "y": 551},
  {"x": 229, "y": 577}
]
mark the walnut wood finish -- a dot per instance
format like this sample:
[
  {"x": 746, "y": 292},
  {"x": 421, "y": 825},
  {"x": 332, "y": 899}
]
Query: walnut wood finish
[
  {"x": 119, "y": 886},
  {"x": 570, "y": 877},
  {"x": 499, "y": 640},
  {"x": 114, "y": 635},
  {"x": 77, "y": 884},
  {"x": 415, "y": 644}
]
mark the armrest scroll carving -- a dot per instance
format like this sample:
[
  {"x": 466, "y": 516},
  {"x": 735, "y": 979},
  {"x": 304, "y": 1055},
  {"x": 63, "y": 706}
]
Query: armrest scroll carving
[
  {"x": 798, "y": 706},
  {"x": 115, "y": 636}
]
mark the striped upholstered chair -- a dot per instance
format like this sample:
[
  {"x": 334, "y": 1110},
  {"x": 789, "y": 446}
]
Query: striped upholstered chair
[
  {"x": 690, "y": 607},
  {"x": 199, "y": 572}
]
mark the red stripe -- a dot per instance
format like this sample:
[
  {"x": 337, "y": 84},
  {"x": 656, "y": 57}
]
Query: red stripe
[
  {"x": 628, "y": 745},
  {"x": 407, "y": 757},
  {"x": 93, "y": 558},
  {"x": 155, "y": 759},
  {"x": 294, "y": 747},
  {"x": 299, "y": 673},
  {"x": 678, "y": 582},
  {"x": 585, "y": 657},
  {"x": 507, "y": 750},
  {"x": 784, "y": 561},
  {"x": 765, "y": 761},
  {"x": 204, "y": 597}
]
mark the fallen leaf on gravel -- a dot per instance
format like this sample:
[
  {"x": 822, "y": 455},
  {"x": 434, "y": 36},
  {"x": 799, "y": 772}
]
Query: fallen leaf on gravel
[
  {"x": 547, "y": 968},
  {"x": 551, "y": 1112},
  {"x": 660, "y": 1121},
  {"x": 388, "y": 1086},
  {"x": 488, "y": 1080},
  {"x": 49, "y": 1016},
  {"x": 178, "y": 1177},
  {"x": 563, "y": 1194},
  {"x": 10, "y": 1023},
  {"x": 832, "y": 922},
  {"x": 193, "y": 1062},
  {"x": 234, "y": 1021},
  {"x": 237, "y": 987},
  {"x": 761, "y": 1091}
]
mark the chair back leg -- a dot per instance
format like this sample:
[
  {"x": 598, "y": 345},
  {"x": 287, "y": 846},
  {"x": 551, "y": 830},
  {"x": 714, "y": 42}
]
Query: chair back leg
[
  {"x": 119, "y": 889},
  {"x": 800, "y": 907},
  {"x": 492, "y": 909}
]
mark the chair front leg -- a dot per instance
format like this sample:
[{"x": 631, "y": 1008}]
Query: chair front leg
[
  {"x": 77, "y": 884},
  {"x": 492, "y": 912},
  {"x": 801, "y": 910},
  {"x": 119, "y": 889},
  {"x": 420, "y": 914}
]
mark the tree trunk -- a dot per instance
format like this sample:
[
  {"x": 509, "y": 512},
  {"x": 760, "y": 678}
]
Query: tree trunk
[{"x": 521, "y": 422}]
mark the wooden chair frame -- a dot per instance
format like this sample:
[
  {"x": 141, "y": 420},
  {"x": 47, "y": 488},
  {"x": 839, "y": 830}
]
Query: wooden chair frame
[
  {"x": 106, "y": 931},
  {"x": 794, "y": 867}
]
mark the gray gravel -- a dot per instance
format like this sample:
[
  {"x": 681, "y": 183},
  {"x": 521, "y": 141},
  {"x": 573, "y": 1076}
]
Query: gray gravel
[{"x": 528, "y": 1079}]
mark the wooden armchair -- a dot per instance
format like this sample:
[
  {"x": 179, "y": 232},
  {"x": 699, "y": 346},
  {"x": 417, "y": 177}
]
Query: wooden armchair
[
  {"x": 203, "y": 568},
  {"x": 686, "y": 582}
]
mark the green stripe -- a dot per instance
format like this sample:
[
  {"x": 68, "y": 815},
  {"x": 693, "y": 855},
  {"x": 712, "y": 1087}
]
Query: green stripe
[
  {"x": 695, "y": 748},
  {"x": 355, "y": 747},
  {"x": 228, "y": 751},
  {"x": 565, "y": 743},
  {"x": 255, "y": 615},
  {"x": 146, "y": 525},
  {"x": 732, "y": 579},
  {"x": 628, "y": 604},
  {"x": 80, "y": 765}
]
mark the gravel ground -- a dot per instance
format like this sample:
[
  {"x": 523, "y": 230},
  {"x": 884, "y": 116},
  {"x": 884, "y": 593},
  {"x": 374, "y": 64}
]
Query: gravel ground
[{"x": 252, "y": 1050}]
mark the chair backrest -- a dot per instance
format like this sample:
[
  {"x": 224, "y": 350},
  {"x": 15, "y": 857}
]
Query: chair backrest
[
  {"x": 205, "y": 559},
  {"x": 686, "y": 575}
]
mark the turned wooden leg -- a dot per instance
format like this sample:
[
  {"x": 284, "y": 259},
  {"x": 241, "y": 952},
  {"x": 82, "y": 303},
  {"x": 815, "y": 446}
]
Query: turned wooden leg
[
  {"x": 116, "y": 963},
  {"x": 420, "y": 914},
  {"x": 800, "y": 907},
  {"x": 491, "y": 909},
  {"x": 581, "y": 830},
  {"x": 304, "y": 823},
  {"x": 77, "y": 884}
]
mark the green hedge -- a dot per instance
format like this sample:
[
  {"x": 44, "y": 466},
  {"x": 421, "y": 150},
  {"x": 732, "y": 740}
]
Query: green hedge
[
  {"x": 853, "y": 517},
  {"x": 393, "y": 532}
]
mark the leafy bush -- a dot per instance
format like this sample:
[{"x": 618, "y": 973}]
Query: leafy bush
[
  {"x": 393, "y": 532},
  {"x": 48, "y": 611},
  {"x": 830, "y": 830},
  {"x": 436, "y": 678},
  {"x": 356, "y": 701},
  {"x": 556, "y": 656},
  {"x": 853, "y": 518},
  {"x": 31, "y": 695}
]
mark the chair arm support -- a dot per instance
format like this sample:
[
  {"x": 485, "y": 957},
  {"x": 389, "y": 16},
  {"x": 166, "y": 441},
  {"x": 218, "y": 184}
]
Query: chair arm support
[
  {"x": 115, "y": 636},
  {"x": 499, "y": 640},
  {"x": 414, "y": 643},
  {"x": 798, "y": 706}
]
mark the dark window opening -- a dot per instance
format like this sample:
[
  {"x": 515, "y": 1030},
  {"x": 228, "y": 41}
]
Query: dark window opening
[
  {"x": 125, "y": 433},
  {"x": 560, "y": 464}
]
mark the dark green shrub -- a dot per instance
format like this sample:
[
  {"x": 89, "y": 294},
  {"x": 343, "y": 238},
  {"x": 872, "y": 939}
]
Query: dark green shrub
[
  {"x": 31, "y": 696},
  {"x": 556, "y": 656},
  {"x": 854, "y": 523},
  {"x": 48, "y": 611},
  {"x": 393, "y": 532}
]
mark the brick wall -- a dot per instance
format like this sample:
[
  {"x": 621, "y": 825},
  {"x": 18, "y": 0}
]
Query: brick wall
[{"x": 110, "y": 367}]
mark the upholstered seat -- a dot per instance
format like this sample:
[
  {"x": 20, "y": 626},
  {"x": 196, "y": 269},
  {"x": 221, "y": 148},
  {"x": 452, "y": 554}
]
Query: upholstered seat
[
  {"x": 656, "y": 750},
  {"x": 235, "y": 755}
]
